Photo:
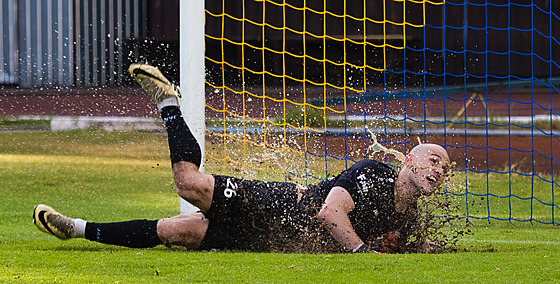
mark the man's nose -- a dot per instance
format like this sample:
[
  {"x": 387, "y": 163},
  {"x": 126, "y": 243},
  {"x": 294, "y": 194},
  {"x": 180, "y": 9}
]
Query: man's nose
[{"x": 438, "y": 171}]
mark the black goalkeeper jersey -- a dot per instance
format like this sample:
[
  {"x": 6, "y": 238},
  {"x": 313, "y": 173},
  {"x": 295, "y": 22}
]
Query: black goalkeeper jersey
[
  {"x": 371, "y": 186},
  {"x": 257, "y": 215}
]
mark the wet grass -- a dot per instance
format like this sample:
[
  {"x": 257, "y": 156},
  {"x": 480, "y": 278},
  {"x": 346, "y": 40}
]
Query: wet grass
[
  {"x": 101, "y": 176},
  {"x": 6, "y": 122},
  {"x": 18, "y": 124}
]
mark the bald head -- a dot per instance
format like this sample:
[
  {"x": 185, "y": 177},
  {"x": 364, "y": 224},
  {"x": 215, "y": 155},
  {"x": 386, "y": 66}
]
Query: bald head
[
  {"x": 426, "y": 150},
  {"x": 427, "y": 165}
]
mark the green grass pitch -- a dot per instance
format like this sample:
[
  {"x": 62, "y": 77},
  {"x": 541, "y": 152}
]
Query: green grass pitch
[{"x": 101, "y": 176}]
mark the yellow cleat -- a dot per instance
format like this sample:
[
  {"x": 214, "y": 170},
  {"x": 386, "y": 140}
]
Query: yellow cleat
[
  {"x": 51, "y": 222},
  {"x": 153, "y": 82}
]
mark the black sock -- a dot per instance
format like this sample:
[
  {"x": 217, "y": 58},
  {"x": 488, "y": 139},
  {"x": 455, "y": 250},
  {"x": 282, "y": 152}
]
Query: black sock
[
  {"x": 182, "y": 144},
  {"x": 133, "y": 234}
]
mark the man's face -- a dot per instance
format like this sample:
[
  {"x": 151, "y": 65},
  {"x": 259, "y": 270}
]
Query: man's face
[{"x": 429, "y": 163}]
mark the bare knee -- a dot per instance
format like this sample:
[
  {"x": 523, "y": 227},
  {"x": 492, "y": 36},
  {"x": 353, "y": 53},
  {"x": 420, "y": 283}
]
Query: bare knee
[
  {"x": 183, "y": 230},
  {"x": 192, "y": 185}
]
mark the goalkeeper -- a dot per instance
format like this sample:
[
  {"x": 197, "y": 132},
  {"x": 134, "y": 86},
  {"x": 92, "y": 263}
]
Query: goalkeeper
[{"x": 347, "y": 213}]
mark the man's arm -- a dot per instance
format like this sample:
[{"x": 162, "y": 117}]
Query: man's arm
[{"x": 334, "y": 215}]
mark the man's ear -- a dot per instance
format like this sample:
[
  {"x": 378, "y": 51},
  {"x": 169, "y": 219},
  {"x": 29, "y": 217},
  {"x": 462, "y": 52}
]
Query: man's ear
[{"x": 408, "y": 160}]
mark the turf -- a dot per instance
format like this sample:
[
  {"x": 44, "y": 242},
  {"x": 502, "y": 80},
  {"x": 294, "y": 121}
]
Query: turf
[{"x": 101, "y": 176}]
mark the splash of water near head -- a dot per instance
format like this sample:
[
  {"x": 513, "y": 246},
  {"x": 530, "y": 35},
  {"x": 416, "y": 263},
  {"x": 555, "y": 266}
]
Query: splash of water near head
[{"x": 377, "y": 147}]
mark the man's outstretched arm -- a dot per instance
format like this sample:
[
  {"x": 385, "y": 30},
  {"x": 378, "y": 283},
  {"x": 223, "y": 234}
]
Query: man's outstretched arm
[{"x": 334, "y": 215}]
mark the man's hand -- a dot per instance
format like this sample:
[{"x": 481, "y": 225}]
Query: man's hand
[{"x": 363, "y": 248}]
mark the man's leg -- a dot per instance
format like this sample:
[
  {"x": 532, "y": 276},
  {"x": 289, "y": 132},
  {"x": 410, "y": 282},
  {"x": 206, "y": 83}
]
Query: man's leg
[
  {"x": 184, "y": 230},
  {"x": 192, "y": 185}
]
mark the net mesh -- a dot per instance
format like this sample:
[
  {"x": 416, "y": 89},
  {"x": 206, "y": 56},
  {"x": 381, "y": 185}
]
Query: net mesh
[{"x": 297, "y": 89}]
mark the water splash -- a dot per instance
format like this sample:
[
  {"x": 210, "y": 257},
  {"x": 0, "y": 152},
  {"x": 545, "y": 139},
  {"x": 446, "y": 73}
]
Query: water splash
[{"x": 377, "y": 147}]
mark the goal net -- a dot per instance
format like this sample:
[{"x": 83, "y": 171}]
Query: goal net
[{"x": 298, "y": 90}]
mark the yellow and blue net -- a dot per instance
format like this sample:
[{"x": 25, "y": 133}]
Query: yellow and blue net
[{"x": 295, "y": 87}]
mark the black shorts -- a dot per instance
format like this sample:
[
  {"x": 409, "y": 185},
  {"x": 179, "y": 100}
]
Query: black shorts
[{"x": 246, "y": 214}]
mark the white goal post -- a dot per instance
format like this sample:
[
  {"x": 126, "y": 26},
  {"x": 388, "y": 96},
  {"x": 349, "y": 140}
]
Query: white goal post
[{"x": 191, "y": 67}]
